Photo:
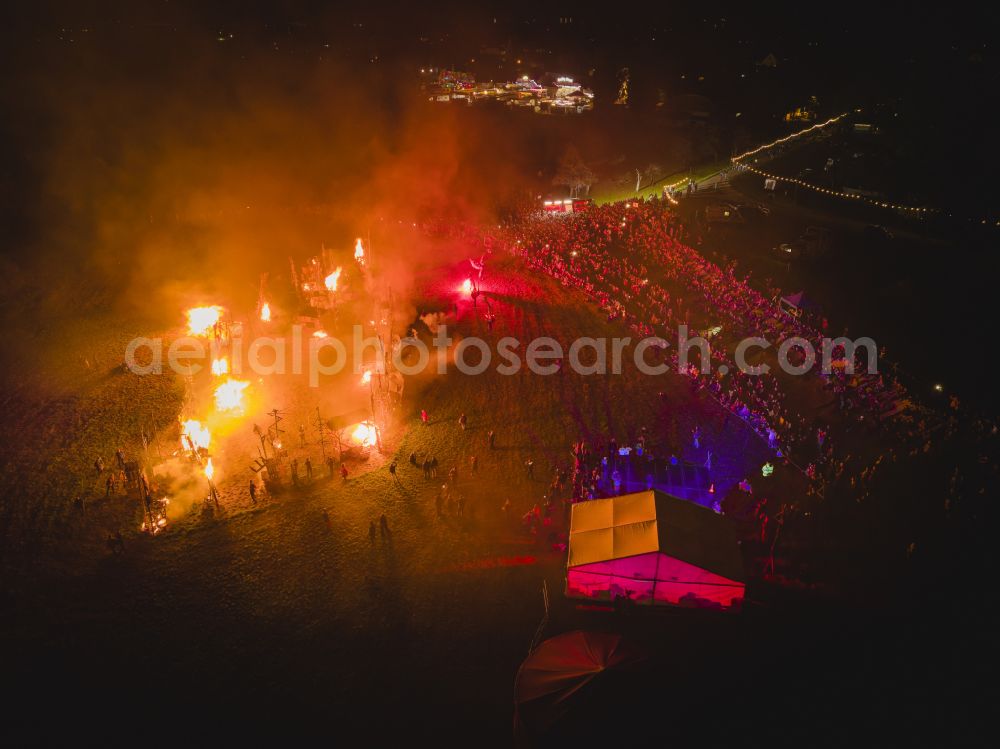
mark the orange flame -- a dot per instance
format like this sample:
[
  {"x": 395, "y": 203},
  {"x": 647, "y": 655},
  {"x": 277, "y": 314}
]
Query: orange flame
[
  {"x": 359, "y": 252},
  {"x": 229, "y": 395},
  {"x": 364, "y": 434},
  {"x": 220, "y": 366},
  {"x": 265, "y": 312},
  {"x": 467, "y": 287},
  {"x": 201, "y": 319},
  {"x": 209, "y": 470},
  {"x": 332, "y": 279},
  {"x": 198, "y": 434}
]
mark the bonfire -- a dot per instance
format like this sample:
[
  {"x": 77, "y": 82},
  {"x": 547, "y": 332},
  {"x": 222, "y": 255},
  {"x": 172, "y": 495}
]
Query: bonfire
[
  {"x": 202, "y": 319},
  {"x": 193, "y": 434},
  {"x": 229, "y": 396},
  {"x": 365, "y": 434},
  {"x": 332, "y": 279}
]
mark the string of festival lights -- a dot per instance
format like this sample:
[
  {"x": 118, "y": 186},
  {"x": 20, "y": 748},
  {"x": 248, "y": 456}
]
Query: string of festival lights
[
  {"x": 737, "y": 162},
  {"x": 837, "y": 193},
  {"x": 787, "y": 138}
]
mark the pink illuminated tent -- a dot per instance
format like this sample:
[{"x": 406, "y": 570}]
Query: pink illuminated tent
[{"x": 653, "y": 548}]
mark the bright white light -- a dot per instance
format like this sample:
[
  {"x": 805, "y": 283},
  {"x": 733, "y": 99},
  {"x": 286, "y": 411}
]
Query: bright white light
[{"x": 364, "y": 434}]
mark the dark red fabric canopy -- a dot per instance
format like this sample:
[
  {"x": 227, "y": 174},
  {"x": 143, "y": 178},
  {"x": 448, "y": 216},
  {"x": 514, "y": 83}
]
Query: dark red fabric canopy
[{"x": 561, "y": 670}]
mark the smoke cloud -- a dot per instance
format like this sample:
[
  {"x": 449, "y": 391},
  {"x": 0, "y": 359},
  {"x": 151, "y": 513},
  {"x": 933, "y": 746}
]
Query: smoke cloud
[{"x": 187, "y": 169}]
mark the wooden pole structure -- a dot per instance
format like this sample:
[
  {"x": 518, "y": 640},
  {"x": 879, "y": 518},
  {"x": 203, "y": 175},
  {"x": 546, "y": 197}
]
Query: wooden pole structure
[{"x": 322, "y": 440}]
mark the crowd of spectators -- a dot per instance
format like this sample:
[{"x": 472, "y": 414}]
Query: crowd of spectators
[{"x": 632, "y": 259}]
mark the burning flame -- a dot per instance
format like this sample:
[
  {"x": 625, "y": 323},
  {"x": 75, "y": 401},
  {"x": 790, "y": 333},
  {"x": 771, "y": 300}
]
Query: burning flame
[
  {"x": 366, "y": 377},
  {"x": 220, "y": 366},
  {"x": 155, "y": 528},
  {"x": 209, "y": 470},
  {"x": 265, "y": 312},
  {"x": 467, "y": 287},
  {"x": 198, "y": 434},
  {"x": 364, "y": 434},
  {"x": 229, "y": 395},
  {"x": 359, "y": 252},
  {"x": 320, "y": 334},
  {"x": 201, "y": 319},
  {"x": 331, "y": 280}
]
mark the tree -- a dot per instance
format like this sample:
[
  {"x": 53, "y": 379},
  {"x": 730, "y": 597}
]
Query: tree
[
  {"x": 649, "y": 174},
  {"x": 574, "y": 173}
]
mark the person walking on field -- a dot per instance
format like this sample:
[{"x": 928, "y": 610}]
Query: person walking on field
[
  {"x": 343, "y": 472},
  {"x": 383, "y": 525},
  {"x": 253, "y": 492},
  {"x": 492, "y": 439},
  {"x": 462, "y": 421},
  {"x": 423, "y": 417},
  {"x": 474, "y": 461},
  {"x": 309, "y": 470},
  {"x": 329, "y": 465}
]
